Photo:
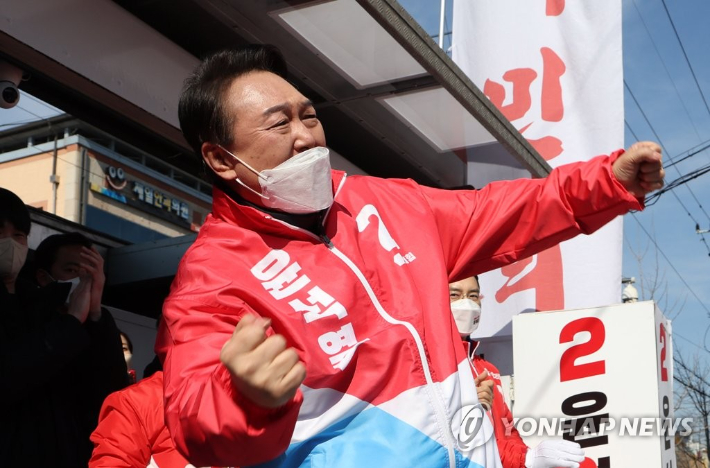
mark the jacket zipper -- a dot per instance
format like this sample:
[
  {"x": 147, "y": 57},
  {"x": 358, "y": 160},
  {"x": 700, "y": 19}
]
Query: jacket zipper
[
  {"x": 442, "y": 420},
  {"x": 440, "y": 409}
]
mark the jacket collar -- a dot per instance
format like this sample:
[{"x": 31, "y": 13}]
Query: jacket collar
[
  {"x": 231, "y": 209},
  {"x": 470, "y": 345}
]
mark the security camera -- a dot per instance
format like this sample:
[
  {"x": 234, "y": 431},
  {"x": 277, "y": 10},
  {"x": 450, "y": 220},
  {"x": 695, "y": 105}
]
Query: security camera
[{"x": 10, "y": 77}]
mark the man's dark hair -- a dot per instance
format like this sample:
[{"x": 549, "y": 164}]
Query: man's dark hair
[
  {"x": 13, "y": 210},
  {"x": 46, "y": 253},
  {"x": 202, "y": 111}
]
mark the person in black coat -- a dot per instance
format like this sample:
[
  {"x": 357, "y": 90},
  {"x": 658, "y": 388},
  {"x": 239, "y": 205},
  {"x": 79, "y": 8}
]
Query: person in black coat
[{"x": 60, "y": 352}]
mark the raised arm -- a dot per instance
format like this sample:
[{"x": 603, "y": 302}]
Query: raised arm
[{"x": 509, "y": 220}]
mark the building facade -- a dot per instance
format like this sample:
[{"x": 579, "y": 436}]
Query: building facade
[{"x": 72, "y": 170}]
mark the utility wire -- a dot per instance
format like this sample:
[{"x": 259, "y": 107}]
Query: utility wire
[
  {"x": 692, "y": 72},
  {"x": 30, "y": 112},
  {"x": 41, "y": 102},
  {"x": 44, "y": 151},
  {"x": 17, "y": 122},
  {"x": 653, "y": 42},
  {"x": 636, "y": 138},
  {"x": 674, "y": 167},
  {"x": 702, "y": 304},
  {"x": 97, "y": 174},
  {"x": 653, "y": 199},
  {"x": 43, "y": 119},
  {"x": 691, "y": 152},
  {"x": 675, "y": 334}
]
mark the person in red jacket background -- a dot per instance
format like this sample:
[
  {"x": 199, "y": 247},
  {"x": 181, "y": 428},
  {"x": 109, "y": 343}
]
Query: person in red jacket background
[
  {"x": 465, "y": 297},
  {"x": 132, "y": 430}
]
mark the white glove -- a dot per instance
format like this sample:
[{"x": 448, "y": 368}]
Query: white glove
[{"x": 555, "y": 454}]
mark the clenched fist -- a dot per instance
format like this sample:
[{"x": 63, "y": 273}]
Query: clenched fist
[
  {"x": 484, "y": 386},
  {"x": 263, "y": 369},
  {"x": 640, "y": 168}
]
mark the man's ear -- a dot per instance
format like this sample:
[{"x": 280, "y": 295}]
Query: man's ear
[
  {"x": 217, "y": 159},
  {"x": 43, "y": 277}
]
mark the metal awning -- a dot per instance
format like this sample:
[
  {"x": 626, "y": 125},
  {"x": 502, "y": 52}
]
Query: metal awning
[{"x": 391, "y": 100}]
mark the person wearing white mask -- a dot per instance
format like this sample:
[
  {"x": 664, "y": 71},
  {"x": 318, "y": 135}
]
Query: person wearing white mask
[
  {"x": 305, "y": 323},
  {"x": 48, "y": 361},
  {"x": 59, "y": 260},
  {"x": 465, "y": 297},
  {"x": 63, "y": 262},
  {"x": 14, "y": 229}
]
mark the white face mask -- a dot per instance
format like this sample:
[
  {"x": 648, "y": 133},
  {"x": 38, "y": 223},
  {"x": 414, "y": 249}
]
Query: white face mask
[
  {"x": 12, "y": 257},
  {"x": 301, "y": 184},
  {"x": 467, "y": 314},
  {"x": 74, "y": 284}
]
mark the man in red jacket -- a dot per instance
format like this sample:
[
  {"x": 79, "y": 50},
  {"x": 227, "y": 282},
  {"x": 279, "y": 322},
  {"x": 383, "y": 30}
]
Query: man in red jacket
[
  {"x": 308, "y": 323},
  {"x": 465, "y": 297}
]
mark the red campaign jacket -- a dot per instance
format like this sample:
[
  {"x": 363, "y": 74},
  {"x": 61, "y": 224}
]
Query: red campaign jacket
[
  {"x": 511, "y": 447},
  {"x": 132, "y": 430},
  {"x": 383, "y": 375}
]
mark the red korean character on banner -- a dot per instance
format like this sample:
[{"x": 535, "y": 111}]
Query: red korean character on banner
[
  {"x": 551, "y": 104},
  {"x": 546, "y": 275},
  {"x": 554, "y": 7},
  {"x": 545, "y": 278}
]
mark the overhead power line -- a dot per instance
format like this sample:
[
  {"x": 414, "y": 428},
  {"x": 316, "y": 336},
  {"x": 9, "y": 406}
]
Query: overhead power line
[
  {"x": 658, "y": 248},
  {"x": 41, "y": 102},
  {"x": 695, "y": 150},
  {"x": 30, "y": 112},
  {"x": 675, "y": 334},
  {"x": 691, "y": 152},
  {"x": 692, "y": 72},
  {"x": 663, "y": 62},
  {"x": 684, "y": 179},
  {"x": 658, "y": 138}
]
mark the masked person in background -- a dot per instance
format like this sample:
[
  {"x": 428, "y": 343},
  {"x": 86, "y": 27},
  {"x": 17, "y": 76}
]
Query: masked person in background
[
  {"x": 308, "y": 323},
  {"x": 465, "y": 297},
  {"x": 127, "y": 346},
  {"x": 50, "y": 381}
]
